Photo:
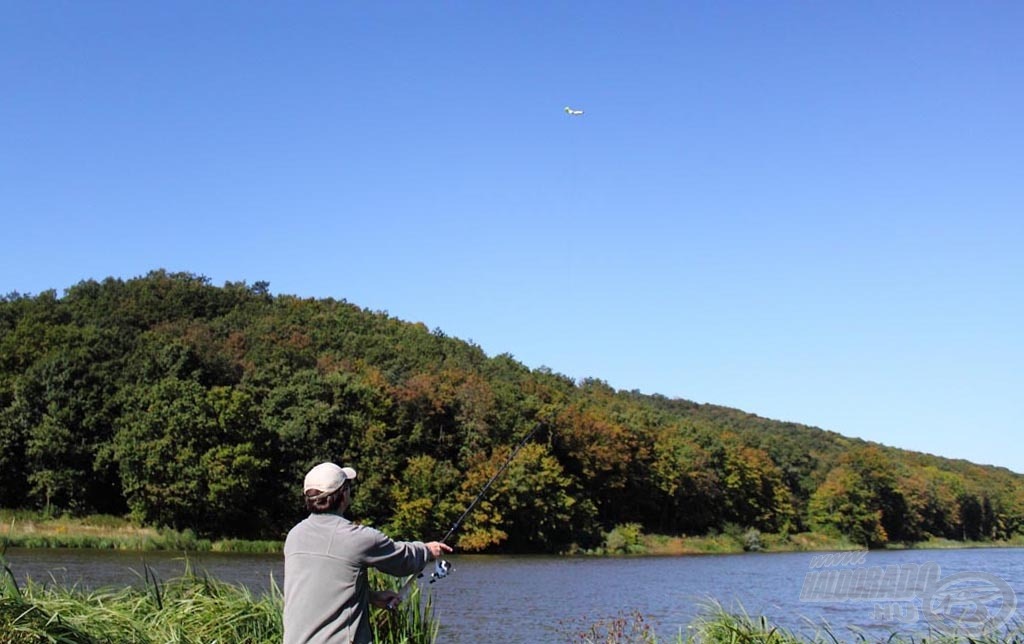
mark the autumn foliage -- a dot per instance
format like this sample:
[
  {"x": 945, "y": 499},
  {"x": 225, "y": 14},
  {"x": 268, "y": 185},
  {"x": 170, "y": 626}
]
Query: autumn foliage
[{"x": 199, "y": 407}]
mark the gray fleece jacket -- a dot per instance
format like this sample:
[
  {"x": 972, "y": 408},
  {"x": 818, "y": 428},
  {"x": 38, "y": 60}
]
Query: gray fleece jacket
[{"x": 326, "y": 593}]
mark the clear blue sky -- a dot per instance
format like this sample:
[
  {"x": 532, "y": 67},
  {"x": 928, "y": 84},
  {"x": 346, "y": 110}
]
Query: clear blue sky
[{"x": 813, "y": 211}]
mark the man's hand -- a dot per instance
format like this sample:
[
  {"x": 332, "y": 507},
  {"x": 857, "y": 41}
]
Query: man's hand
[
  {"x": 437, "y": 549},
  {"x": 386, "y": 599}
]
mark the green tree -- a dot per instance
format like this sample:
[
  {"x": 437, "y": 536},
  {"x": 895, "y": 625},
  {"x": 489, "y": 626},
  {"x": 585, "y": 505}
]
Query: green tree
[
  {"x": 425, "y": 504},
  {"x": 194, "y": 459},
  {"x": 531, "y": 507},
  {"x": 16, "y": 419},
  {"x": 845, "y": 504},
  {"x": 755, "y": 494},
  {"x": 66, "y": 410},
  {"x": 690, "y": 490},
  {"x": 170, "y": 392},
  {"x": 341, "y": 416}
]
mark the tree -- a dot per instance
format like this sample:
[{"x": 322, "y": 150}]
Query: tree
[
  {"x": 530, "y": 508},
  {"x": 755, "y": 494},
  {"x": 846, "y": 505},
  {"x": 172, "y": 393},
  {"x": 195, "y": 458},
  {"x": 67, "y": 403},
  {"x": 689, "y": 487},
  {"x": 597, "y": 451},
  {"x": 15, "y": 421},
  {"x": 424, "y": 499}
]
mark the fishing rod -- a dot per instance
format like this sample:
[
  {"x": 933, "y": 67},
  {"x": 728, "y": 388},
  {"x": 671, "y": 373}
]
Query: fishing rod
[
  {"x": 504, "y": 466},
  {"x": 442, "y": 566}
]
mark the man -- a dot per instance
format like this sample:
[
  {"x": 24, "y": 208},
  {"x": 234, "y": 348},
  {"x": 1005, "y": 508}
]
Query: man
[{"x": 326, "y": 590}]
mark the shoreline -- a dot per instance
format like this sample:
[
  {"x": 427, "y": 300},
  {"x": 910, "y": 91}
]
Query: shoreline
[{"x": 26, "y": 530}]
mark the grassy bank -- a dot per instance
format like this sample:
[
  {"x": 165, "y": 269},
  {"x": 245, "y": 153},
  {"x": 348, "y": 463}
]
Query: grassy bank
[
  {"x": 23, "y": 529},
  {"x": 629, "y": 539},
  {"x": 725, "y": 543},
  {"x": 937, "y": 543},
  {"x": 199, "y": 609},
  {"x": 188, "y": 609},
  {"x": 32, "y": 530},
  {"x": 715, "y": 625}
]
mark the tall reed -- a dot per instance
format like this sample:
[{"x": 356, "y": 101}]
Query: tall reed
[
  {"x": 193, "y": 608},
  {"x": 412, "y": 622}
]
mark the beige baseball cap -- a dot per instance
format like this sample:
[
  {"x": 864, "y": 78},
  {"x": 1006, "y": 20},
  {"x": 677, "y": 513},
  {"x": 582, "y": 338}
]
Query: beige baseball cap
[{"x": 327, "y": 478}]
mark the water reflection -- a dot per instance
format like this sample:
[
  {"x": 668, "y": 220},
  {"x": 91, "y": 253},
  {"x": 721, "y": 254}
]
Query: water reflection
[{"x": 92, "y": 569}]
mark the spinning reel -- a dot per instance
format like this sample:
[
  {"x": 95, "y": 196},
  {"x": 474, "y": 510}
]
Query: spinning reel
[{"x": 441, "y": 569}]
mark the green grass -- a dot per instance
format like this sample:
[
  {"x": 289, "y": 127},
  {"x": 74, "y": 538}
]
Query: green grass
[
  {"x": 23, "y": 529},
  {"x": 939, "y": 543},
  {"x": 629, "y": 539},
  {"x": 191, "y": 609},
  {"x": 28, "y": 529},
  {"x": 413, "y": 622},
  {"x": 623, "y": 540},
  {"x": 715, "y": 625}
]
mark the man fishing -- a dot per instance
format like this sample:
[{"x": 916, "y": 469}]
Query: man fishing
[{"x": 326, "y": 588}]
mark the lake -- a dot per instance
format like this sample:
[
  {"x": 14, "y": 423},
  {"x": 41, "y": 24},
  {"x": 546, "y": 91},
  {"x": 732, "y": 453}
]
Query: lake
[{"x": 547, "y": 599}]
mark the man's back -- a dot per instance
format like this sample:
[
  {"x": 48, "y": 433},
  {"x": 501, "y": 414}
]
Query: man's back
[{"x": 326, "y": 591}]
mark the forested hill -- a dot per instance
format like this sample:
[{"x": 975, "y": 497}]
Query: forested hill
[{"x": 200, "y": 407}]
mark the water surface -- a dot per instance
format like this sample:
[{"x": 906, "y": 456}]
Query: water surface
[{"x": 547, "y": 599}]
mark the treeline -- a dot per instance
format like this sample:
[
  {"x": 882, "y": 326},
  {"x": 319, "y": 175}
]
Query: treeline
[{"x": 199, "y": 408}]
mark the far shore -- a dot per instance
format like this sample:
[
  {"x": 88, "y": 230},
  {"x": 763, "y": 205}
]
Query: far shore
[{"x": 22, "y": 529}]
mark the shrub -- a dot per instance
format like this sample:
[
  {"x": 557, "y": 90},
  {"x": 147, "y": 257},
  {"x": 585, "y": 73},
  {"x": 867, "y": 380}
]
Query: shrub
[
  {"x": 625, "y": 539},
  {"x": 752, "y": 540}
]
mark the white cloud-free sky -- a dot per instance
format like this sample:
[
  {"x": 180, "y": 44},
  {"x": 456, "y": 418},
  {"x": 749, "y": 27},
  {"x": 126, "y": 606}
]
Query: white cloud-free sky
[{"x": 809, "y": 211}]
